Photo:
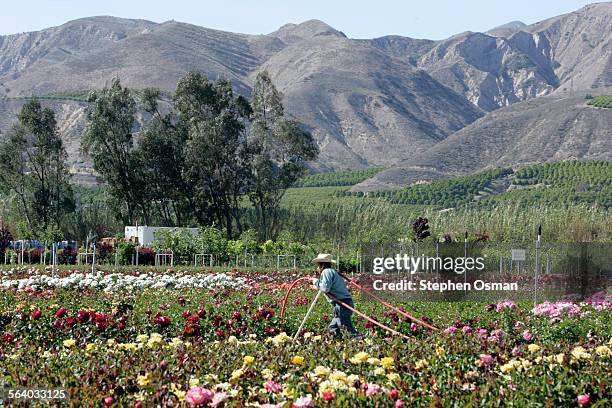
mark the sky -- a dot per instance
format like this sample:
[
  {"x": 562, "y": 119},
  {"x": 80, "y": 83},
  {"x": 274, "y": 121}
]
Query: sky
[{"x": 432, "y": 19}]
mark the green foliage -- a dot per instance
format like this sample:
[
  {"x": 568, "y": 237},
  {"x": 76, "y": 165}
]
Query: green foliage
[
  {"x": 211, "y": 240},
  {"x": 179, "y": 241},
  {"x": 109, "y": 142},
  {"x": 33, "y": 168},
  {"x": 51, "y": 235},
  {"x": 337, "y": 178},
  {"x": 559, "y": 183},
  {"x": 125, "y": 251},
  {"x": 602, "y": 101},
  {"x": 280, "y": 149},
  {"x": 447, "y": 193}
]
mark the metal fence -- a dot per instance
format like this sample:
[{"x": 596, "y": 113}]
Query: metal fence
[{"x": 541, "y": 271}]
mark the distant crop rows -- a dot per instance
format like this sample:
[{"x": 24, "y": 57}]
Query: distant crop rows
[
  {"x": 603, "y": 101},
  {"x": 339, "y": 178},
  {"x": 558, "y": 183}
]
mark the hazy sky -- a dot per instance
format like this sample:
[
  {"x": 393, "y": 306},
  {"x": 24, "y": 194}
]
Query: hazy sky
[{"x": 434, "y": 19}]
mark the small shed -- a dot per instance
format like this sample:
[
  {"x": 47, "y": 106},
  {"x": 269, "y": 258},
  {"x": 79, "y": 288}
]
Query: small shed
[{"x": 145, "y": 234}]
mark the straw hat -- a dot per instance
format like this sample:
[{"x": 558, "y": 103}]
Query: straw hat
[{"x": 323, "y": 258}]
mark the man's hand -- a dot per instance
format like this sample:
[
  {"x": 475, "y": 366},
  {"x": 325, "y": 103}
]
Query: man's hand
[{"x": 314, "y": 282}]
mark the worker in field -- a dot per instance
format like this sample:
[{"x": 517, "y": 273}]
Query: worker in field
[{"x": 331, "y": 283}]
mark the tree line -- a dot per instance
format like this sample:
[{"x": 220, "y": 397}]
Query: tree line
[{"x": 201, "y": 158}]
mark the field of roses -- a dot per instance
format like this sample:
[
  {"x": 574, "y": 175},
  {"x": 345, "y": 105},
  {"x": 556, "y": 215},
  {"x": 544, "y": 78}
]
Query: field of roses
[{"x": 178, "y": 338}]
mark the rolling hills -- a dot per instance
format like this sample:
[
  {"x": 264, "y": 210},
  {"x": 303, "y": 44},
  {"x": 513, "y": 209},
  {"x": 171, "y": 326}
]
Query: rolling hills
[{"x": 368, "y": 102}]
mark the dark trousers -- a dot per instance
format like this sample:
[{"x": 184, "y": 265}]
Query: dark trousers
[{"x": 342, "y": 319}]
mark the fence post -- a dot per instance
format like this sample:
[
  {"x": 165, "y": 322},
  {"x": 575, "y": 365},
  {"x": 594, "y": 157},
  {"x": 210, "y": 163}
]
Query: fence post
[
  {"x": 465, "y": 256},
  {"x": 537, "y": 265},
  {"x": 93, "y": 259}
]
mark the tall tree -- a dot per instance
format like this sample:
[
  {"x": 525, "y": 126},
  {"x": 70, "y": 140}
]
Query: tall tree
[
  {"x": 216, "y": 151},
  {"x": 33, "y": 168},
  {"x": 280, "y": 150},
  {"x": 109, "y": 140},
  {"x": 162, "y": 153}
]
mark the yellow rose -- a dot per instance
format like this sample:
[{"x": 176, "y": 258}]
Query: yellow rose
[
  {"x": 420, "y": 364},
  {"x": 534, "y": 348},
  {"x": 143, "y": 380},
  {"x": 603, "y": 351},
  {"x": 393, "y": 377},
  {"x": 373, "y": 361},
  {"x": 359, "y": 358},
  {"x": 69, "y": 343},
  {"x": 267, "y": 373},
  {"x": 560, "y": 357},
  {"x": 440, "y": 351},
  {"x": 236, "y": 374},
  {"x": 193, "y": 382},
  {"x": 90, "y": 347},
  {"x": 321, "y": 371},
  {"x": 248, "y": 360},
  {"x": 297, "y": 360},
  {"x": 387, "y": 362}
]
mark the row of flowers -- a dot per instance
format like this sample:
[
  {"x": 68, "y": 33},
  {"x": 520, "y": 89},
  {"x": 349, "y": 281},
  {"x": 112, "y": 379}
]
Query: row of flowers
[{"x": 118, "y": 281}]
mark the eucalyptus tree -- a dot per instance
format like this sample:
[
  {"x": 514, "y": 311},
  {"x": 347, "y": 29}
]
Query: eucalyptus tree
[
  {"x": 33, "y": 168},
  {"x": 280, "y": 149},
  {"x": 109, "y": 141},
  {"x": 216, "y": 153}
]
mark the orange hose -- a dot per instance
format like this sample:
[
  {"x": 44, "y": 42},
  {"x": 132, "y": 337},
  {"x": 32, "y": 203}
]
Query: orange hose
[
  {"x": 405, "y": 314},
  {"x": 368, "y": 318}
]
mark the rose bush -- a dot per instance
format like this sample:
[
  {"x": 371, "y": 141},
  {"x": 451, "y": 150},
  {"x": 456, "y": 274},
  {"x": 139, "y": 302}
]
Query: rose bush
[{"x": 223, "y": 344}]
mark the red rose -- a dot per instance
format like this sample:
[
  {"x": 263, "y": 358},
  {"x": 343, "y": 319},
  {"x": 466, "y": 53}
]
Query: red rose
[
  {"x": 236, "y": 315},
  {"x": 393, "y": 394},
  {"x": 186, "y": 314},
  {"x": 71, "y": 321},
  {"x": 161, "y": 321},
  {"x": 108, "y": 401},
  {"x": 82, "y": 316},
  {"x": 328, "y": 396},
  {"x": 201, "y": 312},
  {"x": 61, "y": 312},
  {"x": 36, "y": 314},
  {"x": 8, "y": 337}
]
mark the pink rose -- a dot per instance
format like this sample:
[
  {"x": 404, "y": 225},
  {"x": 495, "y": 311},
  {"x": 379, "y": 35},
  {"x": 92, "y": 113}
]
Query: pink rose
[
  {"x": 272, "y": 387},
  {"x": 373, "y": 389},
  {"x": 218, "y": 398},
  {"x": 527, "y": 336},
  {"x": 199, "y": 396},
  {"x": 393, "y": 394},
  {"x": 583, "y": 400},
  {"x": 399, "y": 404},
  {"x": 303, "y": 402},
  {"x": 485, "y": 360}
]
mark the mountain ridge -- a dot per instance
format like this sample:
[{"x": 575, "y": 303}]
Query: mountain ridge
[{"x": 368, "y": 102}]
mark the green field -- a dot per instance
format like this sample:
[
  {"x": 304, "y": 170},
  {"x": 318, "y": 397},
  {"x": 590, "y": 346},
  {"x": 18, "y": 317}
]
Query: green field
[
  {"x": 337, "y": 178},
  {"x": 560, "y": 183},
  {"x": 602, "y": 101}
]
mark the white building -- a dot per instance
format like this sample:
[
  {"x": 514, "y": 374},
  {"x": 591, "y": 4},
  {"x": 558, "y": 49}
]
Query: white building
[{"x": 146, "y": 234}]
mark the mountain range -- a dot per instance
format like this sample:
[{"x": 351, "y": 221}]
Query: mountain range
[{"x": 418, "y": 107}]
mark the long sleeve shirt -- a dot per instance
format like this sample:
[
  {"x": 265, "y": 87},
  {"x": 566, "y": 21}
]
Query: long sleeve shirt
[{"x": 331, "y": 282}]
